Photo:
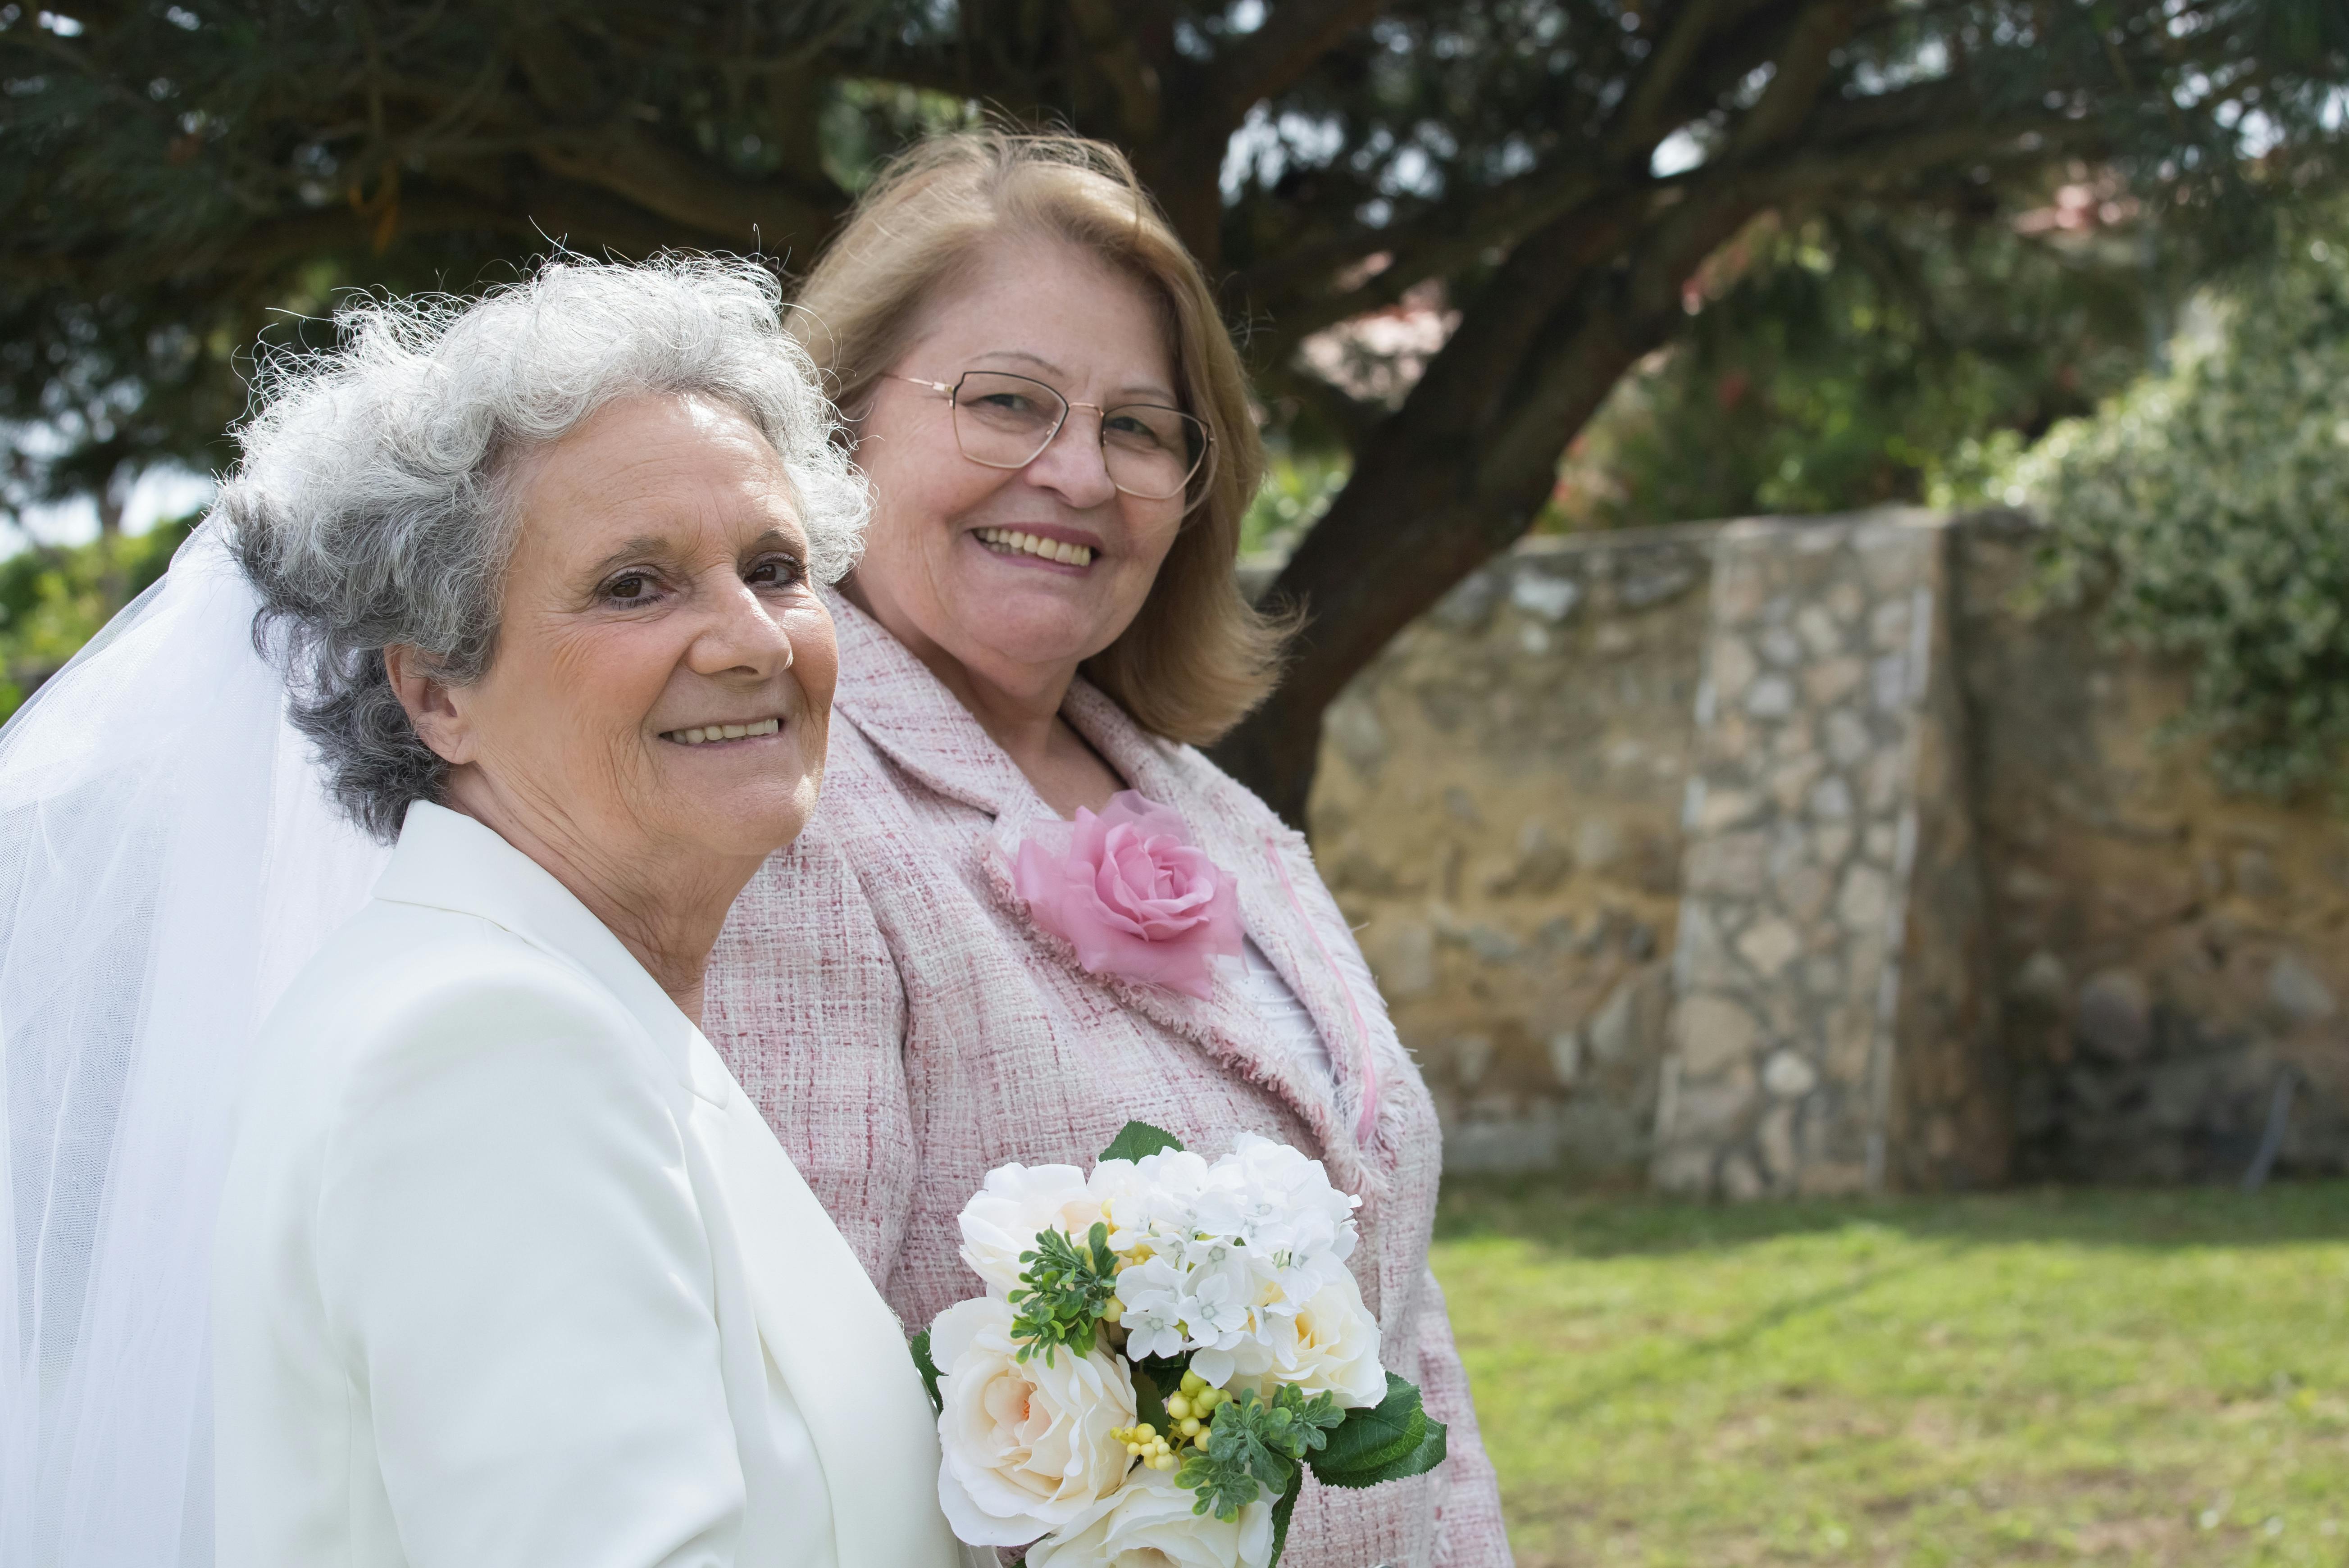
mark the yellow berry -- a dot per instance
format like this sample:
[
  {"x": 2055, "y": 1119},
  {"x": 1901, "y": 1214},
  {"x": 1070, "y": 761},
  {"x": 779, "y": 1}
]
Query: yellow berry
[
  {"x": 1200, "y": 1441},
  {"x": 1115, "y": 1312},
  {"x": 1178, "y": 1406},
  {"x": 1162, "y": 1462},
  {"x": 1191, "y": 1427},
  {"x": 1145, "y": 1430},
  {"x": 1192, "y": 1382}
]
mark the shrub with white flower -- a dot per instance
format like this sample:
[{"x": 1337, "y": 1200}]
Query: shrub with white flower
[{"x": 1167, "y": 1344}]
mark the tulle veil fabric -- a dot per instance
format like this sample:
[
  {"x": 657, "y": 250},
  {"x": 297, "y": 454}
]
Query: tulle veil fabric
[{"x": 167, "y": 860}]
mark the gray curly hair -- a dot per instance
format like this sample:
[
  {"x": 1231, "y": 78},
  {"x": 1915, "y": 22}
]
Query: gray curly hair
[{"x": 367, "y": 507}]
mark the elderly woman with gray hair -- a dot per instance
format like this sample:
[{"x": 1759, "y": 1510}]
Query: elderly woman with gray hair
[{"x": 507, "y": 1269}]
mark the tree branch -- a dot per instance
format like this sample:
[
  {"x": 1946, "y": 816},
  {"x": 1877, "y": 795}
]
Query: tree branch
[
  {"x": 1297, "y": 34},
  {"x": 621, "y": 158}
]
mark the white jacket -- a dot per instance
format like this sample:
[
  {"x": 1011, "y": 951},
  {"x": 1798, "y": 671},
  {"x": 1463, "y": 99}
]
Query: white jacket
[{"x": 508, "y": 1272}]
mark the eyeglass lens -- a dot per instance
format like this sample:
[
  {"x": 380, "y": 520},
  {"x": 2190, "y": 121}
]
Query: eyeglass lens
[{"x": 1006, "y": 422}]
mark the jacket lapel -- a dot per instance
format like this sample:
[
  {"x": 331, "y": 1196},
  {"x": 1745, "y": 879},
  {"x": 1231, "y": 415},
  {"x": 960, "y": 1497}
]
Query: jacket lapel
[
  {"x": 839, "y": 1349},
  {"x": 836, "y": 1343},
  {"x": 906, "y": 711}
]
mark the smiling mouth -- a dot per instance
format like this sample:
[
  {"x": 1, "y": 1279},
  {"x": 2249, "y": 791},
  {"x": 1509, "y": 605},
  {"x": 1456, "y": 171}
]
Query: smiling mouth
[
  {"x": 1011, "y": 541},
  {"x": 710, "y": 732}
]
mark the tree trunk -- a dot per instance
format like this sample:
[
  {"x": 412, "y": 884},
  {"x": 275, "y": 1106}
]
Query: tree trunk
[{"x": 1460, "y": 473}]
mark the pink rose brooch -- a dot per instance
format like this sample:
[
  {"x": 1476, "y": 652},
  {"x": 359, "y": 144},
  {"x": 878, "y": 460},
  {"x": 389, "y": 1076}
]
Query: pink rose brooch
[{"x": 1132, "y": 894}]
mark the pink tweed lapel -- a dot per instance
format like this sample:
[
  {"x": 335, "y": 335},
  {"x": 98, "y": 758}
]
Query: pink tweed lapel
[{"x": 898, "y": 705}]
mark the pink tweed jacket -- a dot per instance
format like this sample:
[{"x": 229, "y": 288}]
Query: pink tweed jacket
[{"x": 882, "y": 994}]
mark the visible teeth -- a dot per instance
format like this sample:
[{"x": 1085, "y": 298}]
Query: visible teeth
[
  {"x": 1030, "y": 544},
  {"x": 726, "y": 731}
]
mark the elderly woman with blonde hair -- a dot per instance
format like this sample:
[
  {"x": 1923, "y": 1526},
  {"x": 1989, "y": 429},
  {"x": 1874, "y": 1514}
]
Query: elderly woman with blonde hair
[{"x": 971, "y": 955}]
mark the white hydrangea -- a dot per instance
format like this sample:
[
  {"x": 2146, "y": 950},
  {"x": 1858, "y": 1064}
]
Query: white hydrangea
[{"x": 1219, "y": 1254}]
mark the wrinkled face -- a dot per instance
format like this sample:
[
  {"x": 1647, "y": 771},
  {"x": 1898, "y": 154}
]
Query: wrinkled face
[
  {"x": 663, "y": 677},
  {"x": 944, "y": 562}
]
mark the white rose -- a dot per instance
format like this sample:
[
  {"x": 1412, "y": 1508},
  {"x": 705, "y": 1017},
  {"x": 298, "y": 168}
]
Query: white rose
[
  {"x": 1331, "y": 1343},
  {"x": 1002, "y": 1219},
  {"x": 1149, "y": 1524},
  {"x": 1026, "y": 1446}
]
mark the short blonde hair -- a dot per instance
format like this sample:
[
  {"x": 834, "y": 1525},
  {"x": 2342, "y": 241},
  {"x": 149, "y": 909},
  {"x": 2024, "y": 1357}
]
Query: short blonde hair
[{"x": 1197, "y": 656}]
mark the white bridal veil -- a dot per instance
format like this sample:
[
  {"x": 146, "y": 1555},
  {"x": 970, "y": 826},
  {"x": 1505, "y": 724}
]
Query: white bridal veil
[{"x": 168, "y": 859}]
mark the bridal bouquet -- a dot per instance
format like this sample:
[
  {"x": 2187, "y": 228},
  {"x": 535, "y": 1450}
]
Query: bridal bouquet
[{"x": 1164, "y": 1347}]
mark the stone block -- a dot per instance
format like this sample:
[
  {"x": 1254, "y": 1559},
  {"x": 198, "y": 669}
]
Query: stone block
[
  {"x": 1866, "y": 899},
  {"x": 1788, "y": 1076},
  {"x": 1830, "y": 799},
  {"x": 1776, "y": 1140},
  {"x": 1816, "y": 626},
  {"x": 1740, "y": 1182},
  {"x": 1846, "y": 735},
  {"x": 1539, "y": 594},
  {"x": 2115, "y": 1017},
  {"x": 2296, "y": 992},
  {"x": 1733, "y": 668},
  {"x": 1769, "y": 944},
  {"x": 1733, "y": 865},
  {"x": 1714, "y": 1036},
  {"x": 1771, "y": 696}
]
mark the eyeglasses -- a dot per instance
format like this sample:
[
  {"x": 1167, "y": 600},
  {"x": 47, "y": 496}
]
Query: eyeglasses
[{"x": 1004, "y": 421}]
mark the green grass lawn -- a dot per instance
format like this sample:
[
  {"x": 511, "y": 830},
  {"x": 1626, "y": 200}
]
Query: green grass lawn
[{"x": 2091, "y": 1377}]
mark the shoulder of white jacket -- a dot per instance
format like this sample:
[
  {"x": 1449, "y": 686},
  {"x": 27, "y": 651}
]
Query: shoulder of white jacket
[{"x": 397, "y": 972}]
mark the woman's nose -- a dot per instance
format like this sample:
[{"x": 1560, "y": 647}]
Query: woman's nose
[
  {"x": 1072, "y": 464},
  {"x": 742, "y": 633}
]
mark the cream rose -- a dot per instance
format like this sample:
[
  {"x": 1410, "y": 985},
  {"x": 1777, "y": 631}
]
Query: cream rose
[
  {"x": 1331, "y": 1342},
  {"x": 1001, "y": 1219},
  {"x": 1026, "y": 1446},
  {"x": 1149, "y": 1524}
]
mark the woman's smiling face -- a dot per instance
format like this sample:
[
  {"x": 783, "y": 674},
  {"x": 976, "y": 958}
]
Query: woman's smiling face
[
  {"x": 664, "y": 671},
  {"x": 1020, "y": 574}
]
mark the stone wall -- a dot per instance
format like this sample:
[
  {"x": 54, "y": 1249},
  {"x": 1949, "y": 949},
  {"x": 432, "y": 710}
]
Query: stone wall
[
  {"x": 1793, "y": 856},
  {"x": 2167, "y": 956},
  {"x": 1498, "y": 808}
]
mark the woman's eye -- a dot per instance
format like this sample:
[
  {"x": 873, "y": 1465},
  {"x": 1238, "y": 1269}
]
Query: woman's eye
[
  {"x": 775, "y": 572},
  {"x": 629, "y": 588}
]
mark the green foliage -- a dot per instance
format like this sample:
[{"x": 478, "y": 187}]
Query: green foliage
[
  {"x": 1254, "y": 1443},
  {"x": 1300, "y": 483},
  {"x": 1066, "y": 1287},
  {"x": 1838, "y": 360},
  {"x": 928, "y": 1368},
  {"x": 2206, "y": 510},
  {"x": 1139, "y": 1140},
  {"x": 2112, "y": 1377},
  {"x": 1386, "y": 1442},
  {"x": 53, "y": 600}
]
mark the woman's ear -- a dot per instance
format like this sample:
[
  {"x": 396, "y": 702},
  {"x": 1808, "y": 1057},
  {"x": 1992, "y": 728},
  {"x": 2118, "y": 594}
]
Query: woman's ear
[{"x": 433, "y": 705}]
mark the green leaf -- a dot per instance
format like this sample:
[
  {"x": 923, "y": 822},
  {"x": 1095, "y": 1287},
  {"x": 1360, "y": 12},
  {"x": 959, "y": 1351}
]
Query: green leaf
[
  {"x": 1149, "y": 1403},
  {"x": 1280, "y": 1512},
  {"x": 1137, "y": 1138},
  {"x": 929, "y": 1371},
  {"x": 1371, "y": 1438},
  {"x": 1429, "y": 1453}
]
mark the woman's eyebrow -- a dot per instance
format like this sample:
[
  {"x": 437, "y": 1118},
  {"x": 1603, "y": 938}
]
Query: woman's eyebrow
[
  {"x": 644, "y": 545},
  {"x": 1131, "y": 390},
  {"x": 1036, "y": 359}
]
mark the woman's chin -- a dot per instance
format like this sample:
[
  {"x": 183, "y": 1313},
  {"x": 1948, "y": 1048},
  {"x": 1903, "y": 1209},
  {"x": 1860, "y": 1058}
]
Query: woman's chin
[
  {"x": 1031, "y": 629},
  {"x": 747, "y": 822}
]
